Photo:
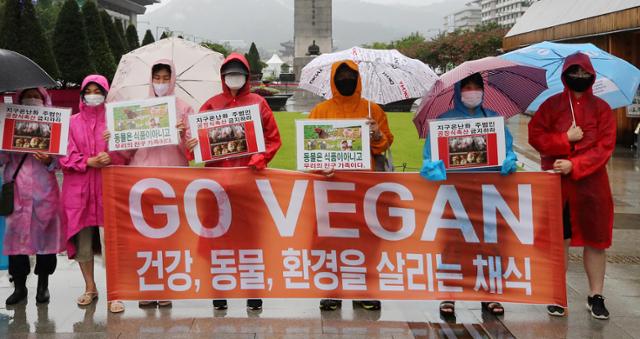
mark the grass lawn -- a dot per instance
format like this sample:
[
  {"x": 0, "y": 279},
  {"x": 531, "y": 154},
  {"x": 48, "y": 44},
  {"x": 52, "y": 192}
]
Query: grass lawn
[{"x": 407, "y": 148}]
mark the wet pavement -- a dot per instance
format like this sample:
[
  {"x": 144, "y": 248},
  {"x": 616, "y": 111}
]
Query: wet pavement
[{"x": 398, "y": 319}]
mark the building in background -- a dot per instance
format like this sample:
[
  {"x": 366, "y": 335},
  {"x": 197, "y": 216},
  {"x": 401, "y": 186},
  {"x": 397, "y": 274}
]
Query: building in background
[
  {"x": 126, "y": 10},
  {"x": 465, "y": 19},
  {"x": 504, "y": 12},
  {"x": 612, "y": 25}
]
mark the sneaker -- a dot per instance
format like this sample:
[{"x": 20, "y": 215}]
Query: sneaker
[
  {"x": 330, "y": 304},
  {"x": 254, "y": 304},
  {"x": 220, "y": 304},
  {"x": 556, "y": 311},
  {"x": 595, "y": 304}
]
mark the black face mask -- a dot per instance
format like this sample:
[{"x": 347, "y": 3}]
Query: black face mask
[
  {"x": 578, "y": 84},
  {"x": 347, "y": 87}
]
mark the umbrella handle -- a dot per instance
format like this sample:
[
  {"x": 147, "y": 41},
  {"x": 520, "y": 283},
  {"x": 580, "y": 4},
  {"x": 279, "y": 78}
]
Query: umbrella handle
[
  {"x": 369, "y": 104},
  {"x": 573, "y": 115}
]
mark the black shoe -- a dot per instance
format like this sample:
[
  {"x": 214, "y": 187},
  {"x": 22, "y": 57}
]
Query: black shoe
[
  {"x": 20, "y": 292},
  {"x": 370, "y": 305},
  {"x": 330, "y": 304},
  {"x": 220, "y": 304},
  {"x": 595, "y": 304},
  {"x": 42, "y": 294},
  {"x": 254, "y": 304},
  {"x": 556, "y": 311}
]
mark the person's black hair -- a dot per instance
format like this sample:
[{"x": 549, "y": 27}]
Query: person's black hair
[
  {"x": 475, "y": 78},
  {"x": 102, "y": 90},
  {"x": 159, "y": 67}
]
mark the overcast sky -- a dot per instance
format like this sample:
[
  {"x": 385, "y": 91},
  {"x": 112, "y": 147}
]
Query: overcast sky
[{"x": 403, "y": 2}]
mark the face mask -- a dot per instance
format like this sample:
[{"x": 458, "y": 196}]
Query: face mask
[
  {"x": 94, "y": 99},
  {"x": 32, "y": 102},
  {"x": 578, "y": 84},
  {"x": 161, "y": 89},
  {"x": 235, "y": 81},
  {"x": 471, "y": 99},
  {"x": 346, "y": 87}
]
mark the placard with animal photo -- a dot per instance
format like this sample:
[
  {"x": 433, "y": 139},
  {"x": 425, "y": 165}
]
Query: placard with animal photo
[
  {"x": 338, "y": 144},
  {"x": 229, "y": 133},
  {"x": 468, "y": 143},
  {"x": 142, "y": 123},
  {"x": 34, "y": 129}
]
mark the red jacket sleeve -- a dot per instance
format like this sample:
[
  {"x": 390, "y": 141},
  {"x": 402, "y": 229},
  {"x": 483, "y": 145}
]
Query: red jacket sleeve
[
  {"x": 587, "y": 162},
  {"x": 270, "y": 129},
  {"x": 542, "y": 138}
]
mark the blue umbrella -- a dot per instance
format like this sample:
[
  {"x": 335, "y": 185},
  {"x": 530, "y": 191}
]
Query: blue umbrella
[{"x": 616, "y": 80}]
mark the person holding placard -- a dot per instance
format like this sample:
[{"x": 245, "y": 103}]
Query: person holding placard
[
  {"x": 575, "y": 133},
  {"x": 87, "y": 154},
  {"x": 35, "y": 226},
  {"x": 347, "y": 103},
  {"x": 237, "y": 93},
  {"x": 468, "y": 98}
]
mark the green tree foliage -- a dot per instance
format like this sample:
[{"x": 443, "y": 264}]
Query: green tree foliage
[
  {"x": 70, "y": 45},
  {"x": 148, "y": 38},
  {"x": 253, "y": 57},
  {"x": 132, "y": 37},
  {"x": 119, "y": 27},
  {"x": 48, "y": 11},
  {"x": 222, "y": 49},
  {"x": 98, "y": 44},
  {"x": 21, "y": 32},
  {"x": 165, "y": 35},
  {"x": 115, "y": 43}
]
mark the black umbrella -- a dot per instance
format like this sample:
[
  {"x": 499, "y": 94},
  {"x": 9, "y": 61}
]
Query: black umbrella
[{"x": 19, "y": 72}]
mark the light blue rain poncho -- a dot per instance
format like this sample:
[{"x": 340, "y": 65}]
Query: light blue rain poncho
[{"x": 435, "y": 170}]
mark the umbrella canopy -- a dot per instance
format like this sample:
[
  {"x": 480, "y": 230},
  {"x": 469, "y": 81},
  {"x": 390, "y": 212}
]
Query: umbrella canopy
[
  {"x": 616, "y": 80},
  {"x": 20, "y": 72},
  {"x": 509, "y": 89},
  {"x": 197, "y": 71},
  {"x": 386, "y": 75}
]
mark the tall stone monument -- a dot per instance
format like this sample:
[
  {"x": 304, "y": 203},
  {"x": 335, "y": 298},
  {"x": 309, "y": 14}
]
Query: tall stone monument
[{"x": 313, "y": 32}]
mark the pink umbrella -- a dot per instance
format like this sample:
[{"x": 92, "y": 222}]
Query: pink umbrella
[{"x": 509, "y": 89}]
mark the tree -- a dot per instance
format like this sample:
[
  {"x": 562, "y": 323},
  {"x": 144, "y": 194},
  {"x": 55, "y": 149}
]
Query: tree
[
  {"x": 70, "y": 45},
  {"x": 165, "y": 35},
  {"x": 115, "y": 44},
  {"x": 119, "y": 27},
  {"x": 148, "y": 38},
  {"x": 27, "y": 37},
  {"x": 253, "y": 57},
  {"x": 48, "y": 11},
  {"x": 98, "y": 45},
  {"x": 222, "y": 49},
  {"x": 132, "y": 37}
]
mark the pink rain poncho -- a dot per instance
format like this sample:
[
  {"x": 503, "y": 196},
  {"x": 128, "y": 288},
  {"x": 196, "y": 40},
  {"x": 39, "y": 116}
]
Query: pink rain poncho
[
  {"x": 169, "y": 155},
  {"x": 82, "y": 185},
  {"x": 35, "y": 226}
]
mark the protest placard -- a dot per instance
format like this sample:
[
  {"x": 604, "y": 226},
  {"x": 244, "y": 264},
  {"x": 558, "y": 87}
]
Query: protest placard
[
  {"x": 142, "y": 123},
  {"x": 338, "y": 144},
  {"x": 468, "y": 143},
  {"x": 230, "y": 133},
  {"x": 34, "y": 129}
]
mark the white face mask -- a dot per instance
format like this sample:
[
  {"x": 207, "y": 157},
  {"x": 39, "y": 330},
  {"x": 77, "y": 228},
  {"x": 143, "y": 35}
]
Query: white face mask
[
  {"x": 161, "y": 89},
  {"x": 94, "y": 99},
  {"x": 472, "y": 99},
  {"x": 32, "y": 102},
  {"x": 235, "y": 81}
]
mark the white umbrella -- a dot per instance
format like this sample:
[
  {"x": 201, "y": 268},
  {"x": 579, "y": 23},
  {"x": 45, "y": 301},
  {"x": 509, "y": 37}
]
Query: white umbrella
[
  {"x": 197, "y": 71},
  {"x": 386, "y": 75}
]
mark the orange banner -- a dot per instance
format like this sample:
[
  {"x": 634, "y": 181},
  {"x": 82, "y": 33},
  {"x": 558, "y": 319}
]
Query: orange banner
[{"x": 201, "y": 233}]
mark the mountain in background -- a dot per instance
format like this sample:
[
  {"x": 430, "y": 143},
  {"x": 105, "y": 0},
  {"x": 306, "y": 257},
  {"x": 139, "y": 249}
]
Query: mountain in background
[{"x": 270, "y": 22}]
